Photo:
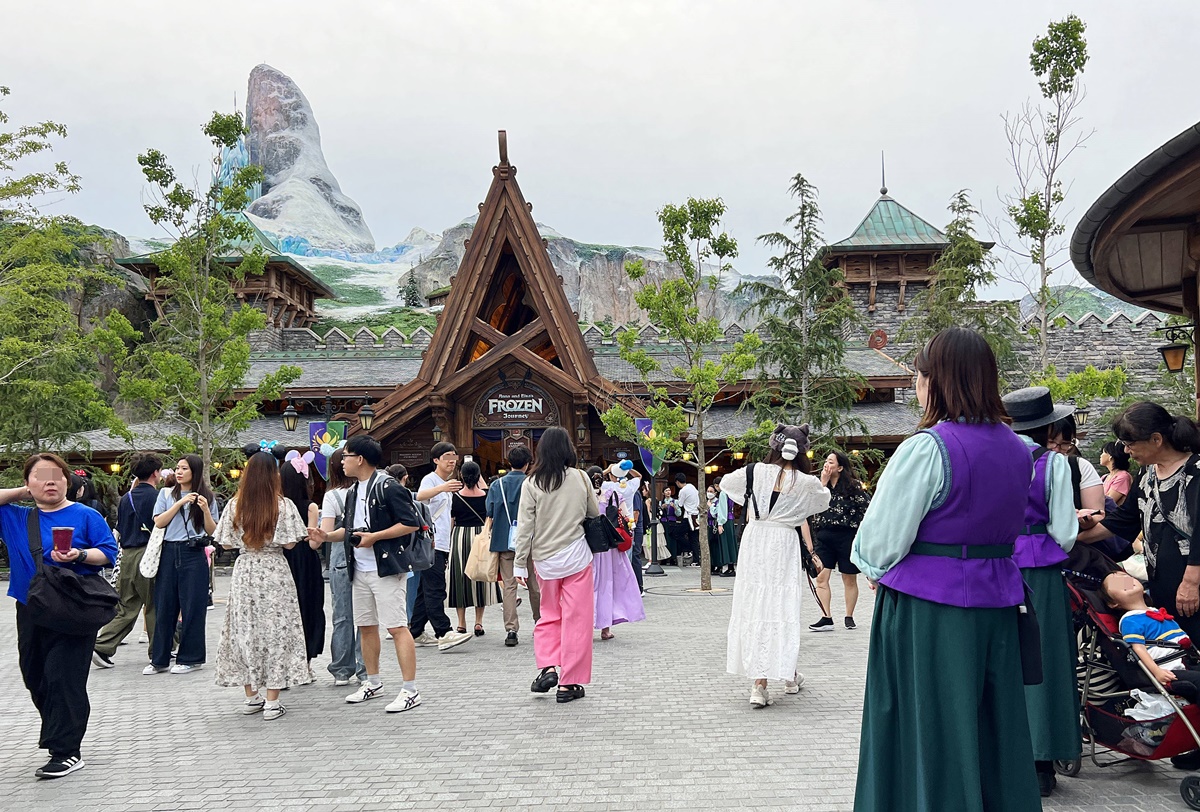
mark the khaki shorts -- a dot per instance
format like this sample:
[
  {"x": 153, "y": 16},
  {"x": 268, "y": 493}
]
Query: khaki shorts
[{"x": 380, "y": 601}]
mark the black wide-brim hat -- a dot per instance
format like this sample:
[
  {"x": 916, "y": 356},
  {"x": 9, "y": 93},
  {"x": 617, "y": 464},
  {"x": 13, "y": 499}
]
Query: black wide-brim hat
[{"x": 1032, "y": 407}]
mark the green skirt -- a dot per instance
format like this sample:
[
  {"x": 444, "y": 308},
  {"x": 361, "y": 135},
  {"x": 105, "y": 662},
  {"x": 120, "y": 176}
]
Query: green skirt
[
  {"x": 723, "y": 546},
  {"x": 1053, "y": 706},
  {"x": 944, "y": 724}
]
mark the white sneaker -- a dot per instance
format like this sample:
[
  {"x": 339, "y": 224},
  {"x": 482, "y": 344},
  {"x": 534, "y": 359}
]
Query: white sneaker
[
  {"x": 365, "y": 691},
  {"x": 426, "y": 639},
  {"x": 143, "y": 638},
  {"x": 759, "y": 697},
  {"x": 793, "y": 686},
  {"x": 186, "y": 668},
  {"x": 388, "y": 636},
  {"x": 452, "y": 639},
  {"x": 407, "y": 700},
  {"x": 341, "y": 682},
  {"x": 275, "y": 712},
  {"x": 253, "y": 704},
  {"x": 154, "y": 669}
]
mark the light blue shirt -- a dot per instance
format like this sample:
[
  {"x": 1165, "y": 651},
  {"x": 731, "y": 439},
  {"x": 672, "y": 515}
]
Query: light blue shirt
[
  {"x": 910, "y": 483},
  {"x": 179, "y": 528}
]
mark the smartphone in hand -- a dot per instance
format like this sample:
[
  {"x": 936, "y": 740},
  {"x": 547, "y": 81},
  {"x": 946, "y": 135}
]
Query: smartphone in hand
[{"x": 62, "y": 538}]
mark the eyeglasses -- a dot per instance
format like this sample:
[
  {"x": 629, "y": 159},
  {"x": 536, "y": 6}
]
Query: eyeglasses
[
  {"x": 1060, "y": 445},
  {"x": 345, "y": 455}
]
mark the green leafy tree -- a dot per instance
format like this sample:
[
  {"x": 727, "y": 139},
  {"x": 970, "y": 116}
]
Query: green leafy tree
[
  {"x": 50, "y": 355},
  {"x": 412, "y": 291},
  {"x": 804, "y": 315},
  {"x": 951, "y": 299},
  {"x": 1084, "y": 386},
  {"x": 1041, "y": 138},
  {"x": 699, "y": 251},
  {"x": 193, "y": 368}
]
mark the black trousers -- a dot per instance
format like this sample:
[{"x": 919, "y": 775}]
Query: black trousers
[
  {"x": 431, "y": 602},
  {"x": 639, "y": 539},
  {"x": 55, "y": 668},
  {"x": 181, "y": 589}
]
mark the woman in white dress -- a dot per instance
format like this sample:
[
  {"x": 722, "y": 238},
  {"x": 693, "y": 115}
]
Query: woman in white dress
[
  {"x": 765, "y": 627},
  {"x": 262, "y": 642}
]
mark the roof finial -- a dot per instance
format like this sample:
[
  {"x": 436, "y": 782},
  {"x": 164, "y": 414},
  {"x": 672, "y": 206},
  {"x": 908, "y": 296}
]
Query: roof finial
[
  {"x": 882, "y": 174},
  {"x": 503, "y": 148}
]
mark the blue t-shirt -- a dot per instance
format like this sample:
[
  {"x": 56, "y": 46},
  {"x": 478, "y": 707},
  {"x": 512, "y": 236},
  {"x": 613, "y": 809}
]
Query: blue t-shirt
[
  {"x": 90, "y": 531},
  {"x": 180, "y": 528},
  {"x": 1139, "y": 627}
]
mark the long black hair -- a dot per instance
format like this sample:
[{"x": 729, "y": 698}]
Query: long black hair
[
  {"x": 296, "y": 487},
  {"x": 1143, "y": 419},
  {"x": 555, "y": 454},
  {"x": 847, "y": 481},
  {"x": 196, "y": 466}
]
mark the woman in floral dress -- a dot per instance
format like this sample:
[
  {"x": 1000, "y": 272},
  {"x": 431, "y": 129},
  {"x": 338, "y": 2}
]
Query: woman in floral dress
[{"x": 262, "y": 642}]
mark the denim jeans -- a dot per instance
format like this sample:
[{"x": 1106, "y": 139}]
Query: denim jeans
[
  {"x": 414, "y": 591},
  {"x": 181, "y": 589},
  {"x": 345, "y": 646}
]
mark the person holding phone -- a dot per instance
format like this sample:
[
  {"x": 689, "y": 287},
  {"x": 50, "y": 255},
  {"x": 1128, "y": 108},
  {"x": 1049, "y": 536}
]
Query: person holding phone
[
  {"x": 54, "y": 665},
  {"x": 189, "y": 513}
]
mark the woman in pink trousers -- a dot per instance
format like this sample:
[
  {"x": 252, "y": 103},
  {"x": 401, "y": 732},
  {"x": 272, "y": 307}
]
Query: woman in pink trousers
[{"x": 555, "y": 499}]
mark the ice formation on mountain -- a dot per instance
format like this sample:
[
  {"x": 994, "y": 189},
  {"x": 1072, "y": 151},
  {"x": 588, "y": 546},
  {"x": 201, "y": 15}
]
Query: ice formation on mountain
[{"x": 301, "y": 199}]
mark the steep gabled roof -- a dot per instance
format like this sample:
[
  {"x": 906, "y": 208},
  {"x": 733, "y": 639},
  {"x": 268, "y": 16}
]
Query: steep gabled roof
[{"x": 889, "y": 226}]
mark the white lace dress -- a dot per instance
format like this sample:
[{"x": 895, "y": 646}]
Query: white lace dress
[
  {"x": 262, "y": 642},
  {"x": 765, "y": 624}
]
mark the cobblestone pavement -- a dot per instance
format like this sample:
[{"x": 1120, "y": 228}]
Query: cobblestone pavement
[{"x": 662, "y": 727}]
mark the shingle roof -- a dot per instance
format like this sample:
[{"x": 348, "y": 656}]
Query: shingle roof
[
  {"x": 152, "y": 436},
  {"x": 881, "y": 420},
  {"x": 865, "y": 361},
  {"x": 890, "y": 225}
]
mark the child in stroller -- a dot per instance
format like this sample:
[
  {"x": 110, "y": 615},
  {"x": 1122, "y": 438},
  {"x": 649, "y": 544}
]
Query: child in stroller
[{"x": 1142, "y": 627}]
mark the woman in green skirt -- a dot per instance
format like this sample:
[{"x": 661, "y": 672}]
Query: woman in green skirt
[
  {"x": 1051, "y": 526},
  {"x": 944, "y": 724}
]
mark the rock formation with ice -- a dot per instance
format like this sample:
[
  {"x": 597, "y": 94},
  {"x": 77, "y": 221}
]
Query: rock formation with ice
[{"x": 301, "y": 198}]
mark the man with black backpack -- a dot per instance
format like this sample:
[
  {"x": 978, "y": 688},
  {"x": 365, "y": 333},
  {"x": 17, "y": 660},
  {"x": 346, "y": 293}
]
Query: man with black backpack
[{"x": 379, "y": 524}]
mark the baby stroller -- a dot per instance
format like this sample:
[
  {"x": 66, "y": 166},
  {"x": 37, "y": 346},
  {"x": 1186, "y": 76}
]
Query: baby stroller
[{"x": 1108, "y": 672}]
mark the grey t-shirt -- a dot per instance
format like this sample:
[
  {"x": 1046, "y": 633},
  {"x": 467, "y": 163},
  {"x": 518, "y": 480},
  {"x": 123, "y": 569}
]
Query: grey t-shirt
[{"x": 180, "y": 529}]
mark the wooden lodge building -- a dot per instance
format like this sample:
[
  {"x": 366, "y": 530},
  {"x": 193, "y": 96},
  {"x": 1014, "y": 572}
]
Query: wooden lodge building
[{"x": 508, "y": 357}]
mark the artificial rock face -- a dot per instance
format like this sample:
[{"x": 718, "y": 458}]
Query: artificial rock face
[{"x": 301, "y": 197}]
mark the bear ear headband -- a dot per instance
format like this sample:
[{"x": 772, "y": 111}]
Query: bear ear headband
[{"x": 300, "y": 461}]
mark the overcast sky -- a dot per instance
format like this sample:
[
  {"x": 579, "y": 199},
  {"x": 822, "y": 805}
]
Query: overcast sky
[{"x": 612, "y": 108}]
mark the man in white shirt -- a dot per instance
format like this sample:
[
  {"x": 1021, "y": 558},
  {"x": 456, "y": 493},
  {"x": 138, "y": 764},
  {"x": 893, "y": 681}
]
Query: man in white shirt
[
  {"x": 436, "y": 490},
  {"x": 689, "y": 504}
]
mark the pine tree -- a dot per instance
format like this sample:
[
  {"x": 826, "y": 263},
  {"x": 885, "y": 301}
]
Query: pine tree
[
  {"x": 412, "y": 292},
  {"x": 805, "y": 314}
]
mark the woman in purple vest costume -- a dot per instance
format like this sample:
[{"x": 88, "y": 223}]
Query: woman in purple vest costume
[
  {"x": 944, "y": 723},
  {"x": 1051, "y": 525}
]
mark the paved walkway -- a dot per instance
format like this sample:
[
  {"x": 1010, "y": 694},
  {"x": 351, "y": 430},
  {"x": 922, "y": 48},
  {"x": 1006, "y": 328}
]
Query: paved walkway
[{"x": 662, "y": 727}]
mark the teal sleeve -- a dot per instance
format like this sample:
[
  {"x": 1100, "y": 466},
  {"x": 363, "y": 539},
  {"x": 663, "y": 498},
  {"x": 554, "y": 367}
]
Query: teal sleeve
[
  {"x": 1064, "y": 523},
  {"x": 911, "y": 482}
]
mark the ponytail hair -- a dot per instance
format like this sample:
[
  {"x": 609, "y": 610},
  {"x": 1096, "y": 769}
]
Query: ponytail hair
[{"x": 1144, "y": 419}]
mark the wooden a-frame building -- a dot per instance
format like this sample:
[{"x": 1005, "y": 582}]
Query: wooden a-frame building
[{"x": 507, "y": 359}]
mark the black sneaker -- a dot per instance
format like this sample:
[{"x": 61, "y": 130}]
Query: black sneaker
[
  {"x": 1046, "y": 784},
  {"x": 511, "y": 639},
  {"x": 825, "y": 624},
  {"x": 1187, "y": 761},
  {"x": 102, "y": 660},
  {"x": 58, "y": 767},
  {"x": 850, "y": 624}
]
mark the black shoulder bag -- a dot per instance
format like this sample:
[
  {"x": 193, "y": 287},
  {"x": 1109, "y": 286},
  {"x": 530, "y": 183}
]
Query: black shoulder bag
[
  {"x": 599, "y": 532},
  {"x": 62, "y": 600}
]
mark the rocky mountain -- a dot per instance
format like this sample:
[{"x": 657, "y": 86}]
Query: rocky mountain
[{"x": 302, "y": 203}]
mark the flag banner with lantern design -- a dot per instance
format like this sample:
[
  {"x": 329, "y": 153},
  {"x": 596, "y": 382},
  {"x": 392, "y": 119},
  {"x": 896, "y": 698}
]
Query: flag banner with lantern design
[
  {"x": 325, "y": 438},
  {"x": 651, "y": 461}
]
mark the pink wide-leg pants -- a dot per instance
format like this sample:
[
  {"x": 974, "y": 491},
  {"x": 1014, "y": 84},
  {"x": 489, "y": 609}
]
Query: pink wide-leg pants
[{"x": 563, "y": 634}]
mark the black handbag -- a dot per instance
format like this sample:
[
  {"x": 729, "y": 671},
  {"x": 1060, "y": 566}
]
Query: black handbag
[
  {"x": 599, "y": 532},
  {"x": 63, "y": 600},
  {"x": 1029, "y": 641}
]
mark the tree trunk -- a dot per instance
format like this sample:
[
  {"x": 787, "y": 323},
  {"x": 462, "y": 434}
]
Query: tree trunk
[{"x": 702, "y": 518}]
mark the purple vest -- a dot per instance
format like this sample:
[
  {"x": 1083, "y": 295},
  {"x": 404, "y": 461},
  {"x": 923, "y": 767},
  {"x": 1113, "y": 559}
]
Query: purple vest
[
  {"x": 1038, "y": 549},
  {"x": 986, "y": 473}
]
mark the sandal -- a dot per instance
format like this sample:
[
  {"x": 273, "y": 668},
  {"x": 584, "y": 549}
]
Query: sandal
[
  {"x": 461, "y": 629},
  {"x": 544, "y": 681},
  {"x": 479, "y": 630},
  {"x": 607, "y": 635},
  {"x": 567, "y": 693}
]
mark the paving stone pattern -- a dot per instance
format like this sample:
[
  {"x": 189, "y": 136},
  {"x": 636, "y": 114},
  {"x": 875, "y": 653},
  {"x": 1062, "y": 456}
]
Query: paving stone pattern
[{"x": 662, "y": 727}]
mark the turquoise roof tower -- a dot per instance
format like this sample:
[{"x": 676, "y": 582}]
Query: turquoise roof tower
[{"x": 889, "y": 226}]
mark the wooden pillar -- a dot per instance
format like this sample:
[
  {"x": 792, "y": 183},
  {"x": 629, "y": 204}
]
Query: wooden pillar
[
  {"x": 874, "y": 282},
  {"x": 903, "y": 285}
]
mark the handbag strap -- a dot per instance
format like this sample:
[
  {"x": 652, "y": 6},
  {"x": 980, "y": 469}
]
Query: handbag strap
[
  {"x": 463, "y": 499},
  {"x": 504, "y": 498},
  {"x": 34, "y": 528},
  {"x": 750, "y": 497}
]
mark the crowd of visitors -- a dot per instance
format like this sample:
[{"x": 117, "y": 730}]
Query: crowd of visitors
[{"x": 969, "y": 540}]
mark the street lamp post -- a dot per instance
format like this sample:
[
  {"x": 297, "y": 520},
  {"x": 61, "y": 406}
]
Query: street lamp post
[{"x": 291, "y": 417}]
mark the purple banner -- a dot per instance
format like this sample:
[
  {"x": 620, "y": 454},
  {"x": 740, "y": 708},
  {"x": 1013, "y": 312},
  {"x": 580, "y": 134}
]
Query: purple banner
[{"x": 652, "y": 463}]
